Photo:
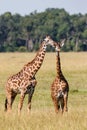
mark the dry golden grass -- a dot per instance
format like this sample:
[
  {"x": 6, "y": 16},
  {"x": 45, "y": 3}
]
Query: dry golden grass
[{"x": 43, "y": 117}]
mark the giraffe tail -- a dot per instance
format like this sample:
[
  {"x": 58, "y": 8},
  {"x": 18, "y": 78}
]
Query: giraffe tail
[{"x": 6, "y": 104}]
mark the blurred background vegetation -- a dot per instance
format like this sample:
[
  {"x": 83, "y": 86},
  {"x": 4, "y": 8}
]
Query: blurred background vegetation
[{"x": 25, "y": 33}]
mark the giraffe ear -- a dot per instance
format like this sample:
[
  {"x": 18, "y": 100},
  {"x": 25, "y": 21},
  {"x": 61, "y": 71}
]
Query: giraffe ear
[{"x": 62, "y": 42}]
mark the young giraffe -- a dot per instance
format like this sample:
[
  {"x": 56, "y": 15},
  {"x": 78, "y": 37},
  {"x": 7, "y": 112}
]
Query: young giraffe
[
  {"x": 60, "y": 87},
  {"x": 24, "y": 82}
]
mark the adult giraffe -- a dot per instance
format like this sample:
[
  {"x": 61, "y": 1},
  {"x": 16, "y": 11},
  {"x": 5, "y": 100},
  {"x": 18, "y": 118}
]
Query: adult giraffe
[
  {"x": 24, "y": 82},
  {"x": 59, "y": 87}
]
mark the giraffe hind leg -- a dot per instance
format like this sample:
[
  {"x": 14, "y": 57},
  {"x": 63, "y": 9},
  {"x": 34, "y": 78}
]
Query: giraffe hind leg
[
  {"x": 13, "y": 98},
  {"x": 9, "y": 101},
  {"x": 30, "y": 97},
  {"x": 6, "y": 104},
  {"x": 62, "y": 105},
  {"x": 65, "y": 102},
  {"x": 56, "y": 105},
  {"x": 31, "y": 92}
]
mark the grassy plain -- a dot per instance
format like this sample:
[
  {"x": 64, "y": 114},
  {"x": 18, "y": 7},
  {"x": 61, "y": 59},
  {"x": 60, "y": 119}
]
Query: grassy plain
[{"x": 43, "y": 117}]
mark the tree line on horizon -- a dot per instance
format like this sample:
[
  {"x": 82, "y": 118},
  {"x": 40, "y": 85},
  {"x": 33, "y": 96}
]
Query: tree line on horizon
[{"x": 25, "y": 33}]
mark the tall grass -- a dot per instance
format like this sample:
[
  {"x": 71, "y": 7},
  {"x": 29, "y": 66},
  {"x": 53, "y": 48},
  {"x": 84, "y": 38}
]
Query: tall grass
[{"x": 42, "y": 116}]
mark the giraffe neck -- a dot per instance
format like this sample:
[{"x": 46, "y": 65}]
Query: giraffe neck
[
  {"x": 58, "y": 65},
  {"x": 36, "y": 63}
]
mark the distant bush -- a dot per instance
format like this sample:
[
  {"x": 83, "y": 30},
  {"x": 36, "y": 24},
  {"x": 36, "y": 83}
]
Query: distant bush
[
  {"x": 25, "y": 33},
  {"x": 22, "y": 49}
]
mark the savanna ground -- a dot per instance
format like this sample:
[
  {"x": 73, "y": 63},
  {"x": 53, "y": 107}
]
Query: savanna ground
[{"x": 43, "y": 117}]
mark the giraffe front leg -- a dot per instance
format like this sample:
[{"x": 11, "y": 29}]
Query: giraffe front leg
[
  {"x": 21, "y": 103},
  {"x": 30, "y": 98}
]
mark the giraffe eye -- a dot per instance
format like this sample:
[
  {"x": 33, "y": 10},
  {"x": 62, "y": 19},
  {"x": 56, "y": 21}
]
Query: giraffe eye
[{"x": 47, "y": 40}]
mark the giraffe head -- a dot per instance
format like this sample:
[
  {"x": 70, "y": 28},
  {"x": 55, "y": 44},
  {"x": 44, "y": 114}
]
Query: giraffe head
[
  {"x": 49, "y": 41},
  {"x": 60, "y": 44}
]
